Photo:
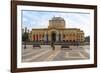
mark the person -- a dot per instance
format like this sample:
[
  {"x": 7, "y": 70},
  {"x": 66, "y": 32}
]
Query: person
[{"x": 52, "y": 45}]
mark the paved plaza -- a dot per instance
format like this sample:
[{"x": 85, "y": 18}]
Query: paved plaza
[{"x": 45, "y": 53}]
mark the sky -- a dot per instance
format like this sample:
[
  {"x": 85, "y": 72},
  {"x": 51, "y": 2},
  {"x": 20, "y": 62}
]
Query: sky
[{"x": 40, "y": 19}]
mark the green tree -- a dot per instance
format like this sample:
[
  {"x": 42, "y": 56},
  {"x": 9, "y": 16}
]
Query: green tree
[
  {"x": 87, "y": 39},
  {"x": 24, "y": 36}
]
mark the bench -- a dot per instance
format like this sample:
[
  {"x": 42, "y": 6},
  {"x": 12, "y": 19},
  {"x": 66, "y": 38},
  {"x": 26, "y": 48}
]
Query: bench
[
  {"x": 65, "y": 46},
  {"x": 36, "y": 45}
]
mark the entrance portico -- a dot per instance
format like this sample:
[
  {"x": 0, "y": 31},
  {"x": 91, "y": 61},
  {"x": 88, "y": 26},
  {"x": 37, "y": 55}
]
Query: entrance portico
[{"x": 53, "y": 37}]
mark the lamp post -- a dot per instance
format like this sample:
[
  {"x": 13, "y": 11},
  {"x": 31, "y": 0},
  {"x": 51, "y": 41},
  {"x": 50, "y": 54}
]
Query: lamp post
[
  {"x": 25, "y": 44},
  {"x": 77, "y": 40},
  {"x": 25, "y": 38}
]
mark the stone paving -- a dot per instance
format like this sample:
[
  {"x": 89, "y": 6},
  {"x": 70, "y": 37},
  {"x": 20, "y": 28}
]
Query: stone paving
[{"x": 45, "y": 53}]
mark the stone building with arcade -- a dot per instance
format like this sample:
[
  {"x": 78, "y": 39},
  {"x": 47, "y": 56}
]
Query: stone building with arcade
[{"x": 57, "y": 32}]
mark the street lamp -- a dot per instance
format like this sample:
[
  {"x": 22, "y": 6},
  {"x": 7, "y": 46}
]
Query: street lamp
[
  {"x": 25, "y": 44},
  {"x": 77, "y": 40},
  {"x": 26, "y": 37}
]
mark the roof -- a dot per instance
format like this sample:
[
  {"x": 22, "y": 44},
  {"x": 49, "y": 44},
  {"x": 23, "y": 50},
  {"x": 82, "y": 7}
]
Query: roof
[
  {"x": 56, "y": 28},
  {"x": 57, "y": 18}
]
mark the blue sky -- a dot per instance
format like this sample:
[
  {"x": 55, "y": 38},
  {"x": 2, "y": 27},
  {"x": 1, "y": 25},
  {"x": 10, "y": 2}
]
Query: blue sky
[{"x": 40, "y": 19}]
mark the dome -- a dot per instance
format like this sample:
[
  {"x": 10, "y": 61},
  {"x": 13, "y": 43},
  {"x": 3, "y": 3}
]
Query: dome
[
  {"x": 57, "y": 22},
  {"x": 57, "y": 18}
]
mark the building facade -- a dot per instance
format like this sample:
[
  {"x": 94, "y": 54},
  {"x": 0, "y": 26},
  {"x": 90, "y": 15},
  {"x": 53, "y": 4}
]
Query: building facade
[{"x": 57, "y": 32}]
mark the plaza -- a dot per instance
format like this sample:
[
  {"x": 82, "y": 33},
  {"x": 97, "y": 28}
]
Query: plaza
[
  {"x": 46, "y": 53},
  {"x": 57, "y": 42}
]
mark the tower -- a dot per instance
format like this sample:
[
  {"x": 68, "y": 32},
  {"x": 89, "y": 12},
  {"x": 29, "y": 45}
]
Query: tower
[{"x": 56, "y": 22}]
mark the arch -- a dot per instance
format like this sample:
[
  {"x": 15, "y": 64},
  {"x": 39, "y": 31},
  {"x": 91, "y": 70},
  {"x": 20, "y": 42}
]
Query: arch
[{"x": 53, "y": 37}]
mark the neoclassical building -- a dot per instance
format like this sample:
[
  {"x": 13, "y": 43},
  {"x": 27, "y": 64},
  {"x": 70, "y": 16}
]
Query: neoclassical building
[{"x": 57, "y": 32}]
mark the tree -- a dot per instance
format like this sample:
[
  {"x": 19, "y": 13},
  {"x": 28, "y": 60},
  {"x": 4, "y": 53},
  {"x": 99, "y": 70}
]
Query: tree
[
  {"x": 24, "y": 36},
  {"x": 87, "y": 39}
]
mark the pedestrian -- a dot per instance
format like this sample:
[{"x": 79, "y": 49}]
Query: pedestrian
[{"x": 52, "y": 45}]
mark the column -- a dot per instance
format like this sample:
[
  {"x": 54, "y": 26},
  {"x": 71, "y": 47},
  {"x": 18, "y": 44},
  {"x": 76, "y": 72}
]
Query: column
[
  {"x": 61, "y": 36},
  {"x": 42, "y": 37},
  {"x": 33, "y": 37},
  {"x": 57, "y": 36},
  {"x": 48, "y": 37},
  {"x": 38, "y": 37},
  {"x": 45, "y": 36}
]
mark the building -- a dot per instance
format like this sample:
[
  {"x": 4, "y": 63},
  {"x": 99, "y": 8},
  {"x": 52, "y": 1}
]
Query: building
[{"x": 57, "y": 32}]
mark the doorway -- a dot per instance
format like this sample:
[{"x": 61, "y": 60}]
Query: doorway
[{"x": 53, "y": 36}]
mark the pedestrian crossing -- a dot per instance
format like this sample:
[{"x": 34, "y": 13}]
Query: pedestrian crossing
[{"x": 38, "y": 55}]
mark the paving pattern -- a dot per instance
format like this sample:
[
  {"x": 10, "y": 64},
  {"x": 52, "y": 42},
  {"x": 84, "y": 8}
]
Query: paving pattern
[{"x": 47, "y": 54}]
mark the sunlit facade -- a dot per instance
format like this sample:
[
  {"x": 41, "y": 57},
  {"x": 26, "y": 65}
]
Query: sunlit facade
[{"x": 57, "y": 32}]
